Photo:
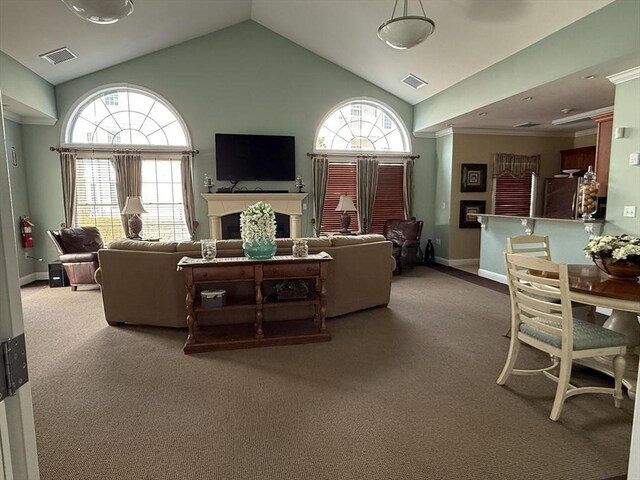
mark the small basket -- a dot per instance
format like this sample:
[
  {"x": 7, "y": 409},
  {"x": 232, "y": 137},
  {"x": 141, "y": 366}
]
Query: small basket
[
  {"x": 292, "y": 290},
  {"x": 213, "y": 298}
]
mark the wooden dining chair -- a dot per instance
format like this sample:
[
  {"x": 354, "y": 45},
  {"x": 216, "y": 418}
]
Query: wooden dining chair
[
  {"x": 542, "y": 317},
  {"x": 538, "y": 246}
]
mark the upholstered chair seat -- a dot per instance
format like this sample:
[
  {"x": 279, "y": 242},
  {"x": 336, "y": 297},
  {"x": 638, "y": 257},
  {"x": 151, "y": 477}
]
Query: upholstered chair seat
[
  {"x": 405, "y": 237},
  {"x": 78, "y": 252}
]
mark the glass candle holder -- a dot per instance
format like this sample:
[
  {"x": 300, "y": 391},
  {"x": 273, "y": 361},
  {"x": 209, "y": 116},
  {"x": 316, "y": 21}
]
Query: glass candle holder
[
  {"x": 208, "y": 249},
  {"x": 300, "y": 248}
]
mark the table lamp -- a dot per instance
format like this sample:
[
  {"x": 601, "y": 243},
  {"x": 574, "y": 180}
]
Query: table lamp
[
  {"x": 133, "y": 206},
  {"x": 345, "y": 205}
]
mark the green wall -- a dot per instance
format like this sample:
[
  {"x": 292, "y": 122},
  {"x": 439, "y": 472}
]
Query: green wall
[
  {"x": 19, "y": 188},
  {"x": 442, "y": 202},
  {"x": 244, "y": 79},
  {"x": 22, "y": 85},
  {"x": 624, "y": 179},
  {"x": 607, "y": 34}
]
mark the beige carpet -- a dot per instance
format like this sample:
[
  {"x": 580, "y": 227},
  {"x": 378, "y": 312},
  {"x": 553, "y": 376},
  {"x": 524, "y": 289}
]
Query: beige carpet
[{"x": 406, "y": 392}]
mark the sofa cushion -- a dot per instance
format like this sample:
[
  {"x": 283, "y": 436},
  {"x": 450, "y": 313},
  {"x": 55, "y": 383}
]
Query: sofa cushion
[
  {"x": 79, "y": 257},
  {"x": 341, "y": 240},
  {"x": 126, "y": 244},
  {"x": 188, "y": 246},
  {"x": 81, "y": 239}
]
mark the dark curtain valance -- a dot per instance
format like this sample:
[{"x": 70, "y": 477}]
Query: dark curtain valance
[{"x": 516, "y": 165}]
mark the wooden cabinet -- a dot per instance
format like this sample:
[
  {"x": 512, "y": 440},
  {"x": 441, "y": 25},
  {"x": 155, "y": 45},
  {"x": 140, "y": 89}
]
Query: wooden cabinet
[
  {"x": 258, "y": 278},
  {"x": 603, "y": 150},
  {"x": 578, "y": 159}
]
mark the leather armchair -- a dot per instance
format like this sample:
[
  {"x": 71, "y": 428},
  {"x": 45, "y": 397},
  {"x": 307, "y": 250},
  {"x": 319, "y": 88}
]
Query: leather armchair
[
  {"x": 78, "y": 251},
  {"x": 405, "y": 236}
]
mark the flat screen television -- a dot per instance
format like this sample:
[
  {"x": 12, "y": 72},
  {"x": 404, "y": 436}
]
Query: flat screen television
[{"x": 255, "y": 157}]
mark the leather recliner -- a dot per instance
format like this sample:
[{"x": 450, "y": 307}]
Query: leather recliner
[
  {"x": 405, "y": 236},
  {"x": 78, "y": 248}
]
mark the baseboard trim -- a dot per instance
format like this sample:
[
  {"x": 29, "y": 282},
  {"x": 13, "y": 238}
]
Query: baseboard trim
[
  {"x": 496, "y": 277},
  {"x": 33, "y": 277},
  {"x": 457, "y": 262}
]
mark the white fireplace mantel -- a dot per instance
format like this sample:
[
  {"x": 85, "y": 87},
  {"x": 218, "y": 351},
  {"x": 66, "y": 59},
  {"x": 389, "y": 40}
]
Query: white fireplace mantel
[{"x": 221, "y": 204}]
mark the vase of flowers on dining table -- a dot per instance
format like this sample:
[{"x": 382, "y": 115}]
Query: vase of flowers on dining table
[{"x": 616, "y": 255}]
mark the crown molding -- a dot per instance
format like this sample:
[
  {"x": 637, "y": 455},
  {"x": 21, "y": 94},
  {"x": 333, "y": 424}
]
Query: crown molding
[
  {"x": 14, "y": 117},
  {"x": 510, "y": 132},
  {"x": 444, "y": 133},
  {"x": 586, "y": 133},
  {"x": 424, "y": 134},
  {"x": 625, "y": 76}
]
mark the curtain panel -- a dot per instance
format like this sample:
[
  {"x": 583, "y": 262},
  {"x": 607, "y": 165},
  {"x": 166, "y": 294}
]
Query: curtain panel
[
  {"x": 407, "y": 188},
  {"x": 319, "y": 174},
  {"x": 187, "y": 194},
  {"x": 128, "y": 167},
  {"x": 68, "y": 169},
  {"x": 515, "y": 165},
  {"x": 366, "y": 185}
]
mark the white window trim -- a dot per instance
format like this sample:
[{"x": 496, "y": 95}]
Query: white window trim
[
  {"x": 84, "y": 99},
  {"x": 404, "y": 132}
]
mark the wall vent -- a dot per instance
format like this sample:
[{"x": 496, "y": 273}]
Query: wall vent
[
  {"x": 526, "y": 125},
  {"x": 413, "y": 81},
  {"x": 59, "y": 55}
]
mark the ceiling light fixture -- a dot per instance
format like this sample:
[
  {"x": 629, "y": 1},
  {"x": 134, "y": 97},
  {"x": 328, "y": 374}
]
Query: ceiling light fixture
[
  {"x": 589, "y": 77},
  {"x": 527, "y": 99},
  {"x": 482, "y": 114},
  {"x": 566, "y": 111},
  {"x": 102, "y": 12},
  {"x": 406, "y": 31}
]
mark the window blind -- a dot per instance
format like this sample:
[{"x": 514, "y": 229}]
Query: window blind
[
  {"x": 389, "y": 196},
  {"x": 513, "y": 195},
  {"x": 163, "y": 201},
  {"x": 341, "y": 180},
  {"x": 96, "y": 198},
  {"x": 389, "y": 201}
]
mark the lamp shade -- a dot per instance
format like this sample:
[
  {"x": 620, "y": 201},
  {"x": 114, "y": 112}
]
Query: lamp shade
[
  {"x": 345, "y": 204},
  {"x": 133, "y": 206},
  {"x": 406, "y": 31},
  {"x": 100, "y": 11}
]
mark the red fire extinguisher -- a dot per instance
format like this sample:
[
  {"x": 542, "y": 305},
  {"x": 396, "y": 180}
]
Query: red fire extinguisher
[{"x": 25, "y": 232}]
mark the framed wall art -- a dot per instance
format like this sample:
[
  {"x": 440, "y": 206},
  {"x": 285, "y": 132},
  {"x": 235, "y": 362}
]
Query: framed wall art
[
  {"x": 468, "y": 211},
  {"x": 474, "y": 177}
]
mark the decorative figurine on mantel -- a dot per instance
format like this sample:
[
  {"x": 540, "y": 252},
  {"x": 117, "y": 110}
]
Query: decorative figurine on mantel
[
  {"x": 299, "y": 184},
  {"x": 208, "y": 183}
]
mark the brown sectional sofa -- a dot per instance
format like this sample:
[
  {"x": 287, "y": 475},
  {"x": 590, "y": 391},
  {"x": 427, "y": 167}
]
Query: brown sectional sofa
[{"x": 140, "y": 282}]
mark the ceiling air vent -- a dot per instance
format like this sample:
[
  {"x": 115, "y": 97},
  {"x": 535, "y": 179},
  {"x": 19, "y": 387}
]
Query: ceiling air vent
[
  {"x": 59, "y": 55},
  {"x": 526, "y": 125},
  {"x": 413, "y": 81}
]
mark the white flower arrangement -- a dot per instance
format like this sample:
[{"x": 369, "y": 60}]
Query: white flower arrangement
[
  {"x": 614, "y": 248},
  {"x": 258, "y": 224}
]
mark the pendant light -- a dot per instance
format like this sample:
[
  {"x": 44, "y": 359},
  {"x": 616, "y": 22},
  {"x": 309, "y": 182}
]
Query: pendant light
[
  {"x": 406, "y": 31},
  {"x": 102, "y": 12}
]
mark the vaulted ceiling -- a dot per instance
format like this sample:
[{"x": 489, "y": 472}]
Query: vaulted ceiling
[{"x": 470, "y": 36}]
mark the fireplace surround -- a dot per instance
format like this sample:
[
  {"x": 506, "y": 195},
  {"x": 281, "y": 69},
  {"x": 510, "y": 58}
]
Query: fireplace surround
[{"x": 221, "y": 204}]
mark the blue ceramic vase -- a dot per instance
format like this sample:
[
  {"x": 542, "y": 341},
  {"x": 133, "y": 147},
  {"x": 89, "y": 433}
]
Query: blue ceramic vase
[{"x": 259, "y": 251}]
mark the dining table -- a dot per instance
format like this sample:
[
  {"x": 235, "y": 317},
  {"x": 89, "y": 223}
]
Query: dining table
[{"x": 589, "y": 285}]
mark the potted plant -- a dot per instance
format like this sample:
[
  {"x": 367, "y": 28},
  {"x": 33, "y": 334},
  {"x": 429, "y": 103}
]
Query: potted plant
[
  {"x": 616, "y": 255},
  {"x": 258, "y": 231}
]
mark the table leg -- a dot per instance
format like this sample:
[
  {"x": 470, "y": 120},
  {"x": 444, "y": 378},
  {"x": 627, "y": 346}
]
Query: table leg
[{"x": 627, "y": 323}]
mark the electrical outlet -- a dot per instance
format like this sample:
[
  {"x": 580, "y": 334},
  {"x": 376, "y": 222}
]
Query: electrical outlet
[
  {"x": 437, "y": 241},
  {"x": 26, "y": 255},
  {"x": 629, "y": 211},
  {"x": 634, "y": 159},
  {"x": 304, "y": 206}
]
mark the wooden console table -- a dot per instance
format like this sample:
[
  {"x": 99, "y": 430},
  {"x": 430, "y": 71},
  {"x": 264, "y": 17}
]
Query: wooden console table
[{"x": 201, "y": 274}]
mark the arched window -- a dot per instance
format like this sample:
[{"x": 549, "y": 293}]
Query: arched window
[
  {"x": 125, "y": 117},
  {"x": 363, "y": 125},
  {"x": 358, "y": 127}
]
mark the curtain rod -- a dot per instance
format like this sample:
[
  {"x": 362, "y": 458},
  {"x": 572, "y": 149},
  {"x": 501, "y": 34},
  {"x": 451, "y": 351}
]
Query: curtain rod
[
  {"x": 109, "y": 150},
  {"x": 349, "y": 154}
]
